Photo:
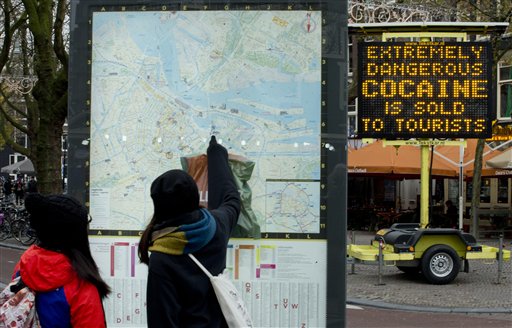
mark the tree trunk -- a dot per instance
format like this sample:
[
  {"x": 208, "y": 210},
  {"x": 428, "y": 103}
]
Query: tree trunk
[
  {"x": 48, "y": 159},
  {"x": 477, "y": 182},
  {"x": 46, "y": 120}
]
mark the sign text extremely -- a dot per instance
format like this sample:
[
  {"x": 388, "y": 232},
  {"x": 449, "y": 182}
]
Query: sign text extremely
[{"x": 425, "y": 90}]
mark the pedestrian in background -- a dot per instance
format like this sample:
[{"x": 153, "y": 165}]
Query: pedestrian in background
[
  {"x": 7, "y": 189},
  {"x": 179, "y": 294},
  {"x": 452, "y": 214},
  {"x": 19, "y": 190},
  {"x": 60, "y": 268},
  {"x": 32, "y": 185}
]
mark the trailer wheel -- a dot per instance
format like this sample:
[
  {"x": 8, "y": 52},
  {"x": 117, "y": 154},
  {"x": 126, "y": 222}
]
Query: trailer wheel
[{"x": 440, "y": 264}]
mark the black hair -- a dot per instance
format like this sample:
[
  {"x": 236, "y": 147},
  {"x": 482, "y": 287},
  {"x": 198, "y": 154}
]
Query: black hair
[
  {"x": 60, "y": 223},
  {"x": 173, "y": 193},
  {"x": 86, "y": 268},
  {"x": 145, "y": 241}
]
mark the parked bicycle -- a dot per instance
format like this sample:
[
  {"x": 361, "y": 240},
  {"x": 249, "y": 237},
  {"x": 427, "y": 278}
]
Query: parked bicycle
[
  {"x": 8, "y": 213},
  {"x": 15, "y": 223},
  {"x": 5, "y": 227},
  {"x": 21, "y": 229}
]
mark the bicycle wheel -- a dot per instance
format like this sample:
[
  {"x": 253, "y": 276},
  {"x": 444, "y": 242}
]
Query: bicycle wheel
[
  {"x": 5, "y": 230},
  {"x": 26, "y": 235},
  {"x": 16, "y": 226}
]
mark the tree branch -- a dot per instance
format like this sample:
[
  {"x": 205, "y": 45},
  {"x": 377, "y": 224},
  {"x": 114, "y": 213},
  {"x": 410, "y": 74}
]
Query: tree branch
[
  {"x": 58, "y": 42},
  {"x": 9, "y": 30},
  {"x": 33, "y": 9},
  {"x": 10, "y": 118},
  {"x": 8, "y": 139}
]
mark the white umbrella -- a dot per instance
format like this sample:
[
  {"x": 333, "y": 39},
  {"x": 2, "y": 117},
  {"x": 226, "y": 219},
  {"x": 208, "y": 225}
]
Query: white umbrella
[
  {"x": 22, "y": 167},
  {"x": 501, "y": 161}
]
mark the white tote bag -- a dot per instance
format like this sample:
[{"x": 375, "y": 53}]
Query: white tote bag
[{"x": 230, "y": 301}]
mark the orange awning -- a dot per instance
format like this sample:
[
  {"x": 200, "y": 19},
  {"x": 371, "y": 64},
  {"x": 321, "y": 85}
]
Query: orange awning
[
  {"x": 451, "y": 156},
  {"x": 394, "y": 162}
]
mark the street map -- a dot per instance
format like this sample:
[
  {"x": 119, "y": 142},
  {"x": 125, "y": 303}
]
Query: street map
[{"x": 163, "y": 82}]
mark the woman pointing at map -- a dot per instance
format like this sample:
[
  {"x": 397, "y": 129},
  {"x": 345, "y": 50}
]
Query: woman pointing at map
[{"x": 179, "y": 294}]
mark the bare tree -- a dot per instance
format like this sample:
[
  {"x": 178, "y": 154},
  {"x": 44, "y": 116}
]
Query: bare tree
[{"x": 33, "y": 37}]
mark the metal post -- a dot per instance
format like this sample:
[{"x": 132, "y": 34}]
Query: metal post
[
  {"x": 424, "y": 194},
  {"x": 461, "y": 187},
  {"x": 381, "y": 261},
  {"x": 425, "y": 177},
  {"x": 500, "y": 258},
  {"x": 353, "y": 265}
]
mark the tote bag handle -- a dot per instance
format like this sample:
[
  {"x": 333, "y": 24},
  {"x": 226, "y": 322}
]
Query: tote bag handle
[{"x": 200, "y": 266}]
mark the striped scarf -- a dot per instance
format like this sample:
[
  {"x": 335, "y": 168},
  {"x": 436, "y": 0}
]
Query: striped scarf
[{"x": 186, "y": 238}]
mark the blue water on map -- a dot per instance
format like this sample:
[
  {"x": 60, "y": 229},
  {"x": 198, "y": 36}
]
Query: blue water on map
[{"x": 155, "y": 38}]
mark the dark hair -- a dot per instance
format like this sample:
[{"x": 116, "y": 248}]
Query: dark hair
[
  {"x": 145, "y": 240},
  {"x": 60, "y": 223},
  {"x": 173, "y": 193},
  {"x": 86, "y": 268}
]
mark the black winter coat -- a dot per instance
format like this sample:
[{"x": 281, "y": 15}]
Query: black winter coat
[{"x": 179, "y": 294}]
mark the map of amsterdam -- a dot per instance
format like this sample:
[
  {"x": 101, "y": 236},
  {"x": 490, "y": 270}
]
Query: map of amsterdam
[
  {"x": 292, "y": 207},
  {"x": 163, "y": 82}
]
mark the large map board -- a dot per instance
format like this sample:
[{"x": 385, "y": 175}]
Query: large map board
[{"x": 152, "y": 82}]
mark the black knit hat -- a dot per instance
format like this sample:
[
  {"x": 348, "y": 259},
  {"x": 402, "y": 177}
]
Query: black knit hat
[
  {"x": 60, "y": 221},
  {"x": 174, "y": 192}
]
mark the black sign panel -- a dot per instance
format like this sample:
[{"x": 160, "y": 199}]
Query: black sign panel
[{"x": 425, "y": 90}]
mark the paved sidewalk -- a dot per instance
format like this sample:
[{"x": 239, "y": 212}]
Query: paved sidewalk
[
  {"x": 8, "y": 261},
  {"x": 477, "y": 291},
  {"x": 473, "y": 292}
]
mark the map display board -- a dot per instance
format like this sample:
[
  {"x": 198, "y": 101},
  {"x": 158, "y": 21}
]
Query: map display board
[
  {"x": 153, "y": 81},
  {"x": 163, "y": 82},
  {"x": 425, "y": 89}
]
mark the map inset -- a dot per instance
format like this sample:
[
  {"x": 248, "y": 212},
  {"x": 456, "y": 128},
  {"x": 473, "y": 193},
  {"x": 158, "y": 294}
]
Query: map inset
[
  {"x": 163, "y": 82},
  {"x": 292, "y": 207}
]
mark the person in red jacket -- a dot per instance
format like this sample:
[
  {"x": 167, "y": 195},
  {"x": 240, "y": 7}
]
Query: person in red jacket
[
  {"x": 179, "y": 294},
  {"x": 60, "y": 268}
]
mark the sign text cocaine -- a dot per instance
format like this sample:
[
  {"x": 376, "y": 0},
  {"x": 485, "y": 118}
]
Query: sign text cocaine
[{"x": 425, "y": 90}]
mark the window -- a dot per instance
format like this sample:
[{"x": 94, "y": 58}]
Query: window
[
  {"x": 503, "y": 191},
  {"x": 15, "y": 158},
  {"x": 485, "y": 191}
]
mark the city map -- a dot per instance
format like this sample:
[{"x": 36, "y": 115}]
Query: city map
[{"x": 163, "y": 82}]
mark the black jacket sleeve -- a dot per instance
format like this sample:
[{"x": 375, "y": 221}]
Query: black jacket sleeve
[{"x": 223, "y": 194}]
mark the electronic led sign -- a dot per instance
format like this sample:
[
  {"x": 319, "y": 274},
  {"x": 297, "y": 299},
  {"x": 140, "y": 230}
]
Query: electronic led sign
[{"x": 425, "y": 90}]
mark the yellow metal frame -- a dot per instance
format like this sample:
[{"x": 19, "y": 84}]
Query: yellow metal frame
[
  {"x": 429, "y": 142},
  {"x": 371, "y": 253},
  {"x": 489, "y": 253},
  {"x": 424, "y": 35}
]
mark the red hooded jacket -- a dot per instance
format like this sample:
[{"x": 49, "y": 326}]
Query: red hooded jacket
[{"x": 62, "y": 298}]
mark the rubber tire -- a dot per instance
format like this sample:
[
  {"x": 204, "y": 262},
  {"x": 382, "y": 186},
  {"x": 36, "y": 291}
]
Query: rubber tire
[
  {"x": 408, "y": 270},
  {"x": 443, "y": 255},
  {"x": 26, "y": 235}
]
